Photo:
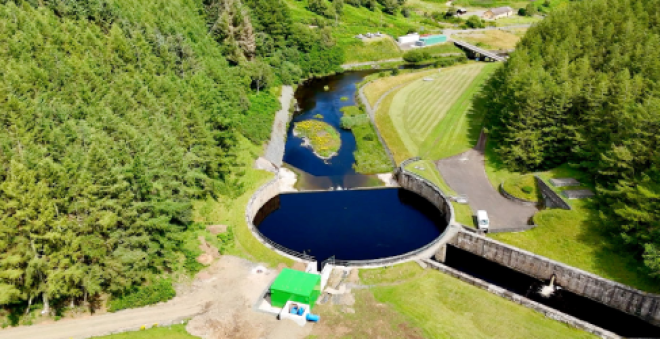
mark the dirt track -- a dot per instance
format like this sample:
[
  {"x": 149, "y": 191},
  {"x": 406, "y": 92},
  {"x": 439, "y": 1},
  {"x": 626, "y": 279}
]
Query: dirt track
[{"x": 220, "y": 303}]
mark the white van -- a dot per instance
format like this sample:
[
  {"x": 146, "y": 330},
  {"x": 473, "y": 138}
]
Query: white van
[{"x": 482, "y": 220}]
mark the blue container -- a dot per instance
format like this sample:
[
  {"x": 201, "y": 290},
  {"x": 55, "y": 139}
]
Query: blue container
[
  {"x": 301, "y": 311},
  {"x": 313, "y": 317},
  {"x": 294, "y": 310}
]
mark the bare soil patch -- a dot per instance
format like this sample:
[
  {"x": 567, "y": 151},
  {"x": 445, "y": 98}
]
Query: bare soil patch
[{"x": 216, "y": 229}]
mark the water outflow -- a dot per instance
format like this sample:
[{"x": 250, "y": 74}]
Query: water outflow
[{"x": 565, "y": 301}]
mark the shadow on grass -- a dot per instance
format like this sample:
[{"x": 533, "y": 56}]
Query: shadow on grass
[
  {"x": 610, "y": 255},
  {"x": 621, "y": 262}
]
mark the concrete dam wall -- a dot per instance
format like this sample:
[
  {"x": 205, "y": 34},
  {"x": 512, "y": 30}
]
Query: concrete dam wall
[
  {"x": 618, "y": 296},
  {"x": 415, "y": 183}
]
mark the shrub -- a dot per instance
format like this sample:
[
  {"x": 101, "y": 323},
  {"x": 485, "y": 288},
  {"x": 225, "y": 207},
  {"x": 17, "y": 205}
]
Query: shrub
[
  {"x": 405, "y": 12},
  {"x": 527, "y": 189},
  {"x": 349, "y": 122},
  {"x": 416, "y": 55},
  {"x": 396, "y": 71},
  {"x": 159, "y": 290},
  {"x": 256, "y": 123},
  {"x": 474, "y": 22}
]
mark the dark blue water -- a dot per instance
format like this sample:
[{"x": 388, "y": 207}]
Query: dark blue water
[
  {"x": 313, "y": 99},
  {"x": 353, "y": 225},
  {"x": 570, "y": 303}
]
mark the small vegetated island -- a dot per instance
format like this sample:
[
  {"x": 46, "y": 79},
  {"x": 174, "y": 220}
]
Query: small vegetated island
[{"x": 321, "y": 137}]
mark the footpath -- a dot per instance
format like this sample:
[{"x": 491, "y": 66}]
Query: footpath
[{"x": 275, "y": 148}]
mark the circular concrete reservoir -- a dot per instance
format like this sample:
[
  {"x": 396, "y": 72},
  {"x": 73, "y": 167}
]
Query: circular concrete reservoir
[{"x": 357, "y": 227}]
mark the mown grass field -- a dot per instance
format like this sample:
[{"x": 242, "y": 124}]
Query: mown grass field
[
  {"x": 389, "y": 132},
  {"x": 460, "y": 127},
  {"x": 418, "y": 108},
  {"x": 493, "y": 39},
  {"x": 445, "y": 307},
  {"x": 378, "y": 87}
]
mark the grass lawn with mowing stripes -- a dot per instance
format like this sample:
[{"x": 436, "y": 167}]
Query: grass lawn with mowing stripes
[
  {"x": 459, "y": 129},
  {"x": 420, "y": 106},
  {"x": 377, "y": 88},
  {"x": 388, "y": 131}
]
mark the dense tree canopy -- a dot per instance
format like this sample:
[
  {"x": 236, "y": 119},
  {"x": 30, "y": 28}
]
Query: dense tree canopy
[
  {"x": 584, "y": 87},
  {"x": 116, "y": 114}
]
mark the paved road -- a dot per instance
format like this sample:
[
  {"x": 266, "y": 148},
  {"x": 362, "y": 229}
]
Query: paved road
[{"x": 465, "y": 174}]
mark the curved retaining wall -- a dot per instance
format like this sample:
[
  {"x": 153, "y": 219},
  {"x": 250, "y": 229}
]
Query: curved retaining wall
[
  {"x": 515, "y": 199},
  {"x": 260, "y": 198},
  {"x": 618, "y": 296}
]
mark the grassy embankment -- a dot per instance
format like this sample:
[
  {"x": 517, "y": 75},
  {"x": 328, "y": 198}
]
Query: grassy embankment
[
  {"x": 170, "y": 332},
  {"x": 574, "y": 237},
  {"x": 370, "y": 155},
  {"x": 426, "y": 168},
  {"x": 323, "y": 138},
  {"x": 445, "y": 307}
]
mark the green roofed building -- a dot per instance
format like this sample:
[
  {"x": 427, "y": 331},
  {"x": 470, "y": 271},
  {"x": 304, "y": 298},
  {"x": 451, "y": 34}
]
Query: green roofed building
[{"x": 292, "y": 285}]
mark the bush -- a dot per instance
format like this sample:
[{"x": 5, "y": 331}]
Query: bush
[
  {"x": 531, "y": 10},
  {"x": 416, "y": 55},
  {"x": 256, "y": 123},
  {"x": 449, "y": 61},
  {"x": 527, "y": 189},
  {"x": 160, "y": 290},
  {"x": 475, "y": 22},
  {"x": 349, "y": 122},
  {"x": 405, "y": 12},
  {"x": 396, "y": 71}
]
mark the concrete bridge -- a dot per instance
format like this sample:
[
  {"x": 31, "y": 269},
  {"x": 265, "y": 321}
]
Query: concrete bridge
[{"x": 478, "y": 52}]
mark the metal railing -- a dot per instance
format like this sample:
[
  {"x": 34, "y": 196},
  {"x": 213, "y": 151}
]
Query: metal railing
[{"x": 282, "y": 248}]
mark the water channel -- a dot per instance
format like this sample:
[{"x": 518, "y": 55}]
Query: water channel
[
  {"x": 315, "y": 101},
  {"x": 570, "y": 303}
]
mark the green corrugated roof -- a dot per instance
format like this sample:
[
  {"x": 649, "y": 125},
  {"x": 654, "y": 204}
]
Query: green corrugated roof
[{"x": 296, "y": 282}]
